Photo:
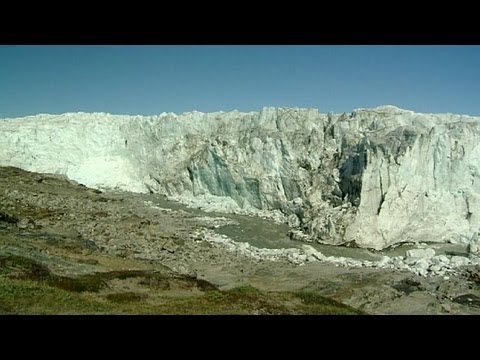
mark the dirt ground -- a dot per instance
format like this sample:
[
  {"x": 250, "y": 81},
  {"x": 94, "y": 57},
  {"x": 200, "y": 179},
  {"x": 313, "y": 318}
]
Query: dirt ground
[{"x": 65, "y": 248}]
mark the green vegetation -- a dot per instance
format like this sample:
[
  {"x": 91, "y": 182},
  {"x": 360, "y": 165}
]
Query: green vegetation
[
  {"x": 28, "y": 287},
  {"x": 318, "y": 304},
  {"x": 28, "y": 297}
]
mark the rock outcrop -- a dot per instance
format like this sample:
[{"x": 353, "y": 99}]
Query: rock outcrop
[{"x": 374, "y": 177}]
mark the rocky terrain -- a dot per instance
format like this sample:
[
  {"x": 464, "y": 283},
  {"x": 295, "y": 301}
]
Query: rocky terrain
[
  {"x": 372, "y": 178},
  {"x": 68, "y": 248}
]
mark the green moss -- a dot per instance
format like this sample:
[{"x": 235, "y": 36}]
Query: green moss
[
  {"x": 91, "y": 283},
  {"x": 125, "y": 297},
  {"x": 243, "y": 291},
  {"x": 8, "y": 218},
  {"x": 4, "y": 309},
  {"x": 29, "y": 287},
  {"x": 317, "y": 304},
  {"x": 28, "y": 297},
  {"x": 26, "y": 267}
]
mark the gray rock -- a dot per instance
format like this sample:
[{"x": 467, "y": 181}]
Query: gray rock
[
  {"x": 298, "y": 236},
  {"x": 435, "y": 268},
  {"x": 169, "y": 246},
  {"x": 459, "y": 261},
  {"x": 473, "y": 248},
  {"x": 25, "y": 223},
  {"x": 421, "y": 267},
  {"x": 420, "y": 253},
  {"x": 384, "y": 261},
  {"x": 440, "y": 259},
  {"x": 293, "y": 221}
]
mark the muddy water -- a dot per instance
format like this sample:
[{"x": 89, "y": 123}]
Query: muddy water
[
  {"x": 254, "y": 230},
  {"x": 267, "y": 234}
]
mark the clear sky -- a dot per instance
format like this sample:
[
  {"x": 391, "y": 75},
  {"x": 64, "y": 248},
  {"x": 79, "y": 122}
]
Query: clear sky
[{"x": 154, "y": 79}]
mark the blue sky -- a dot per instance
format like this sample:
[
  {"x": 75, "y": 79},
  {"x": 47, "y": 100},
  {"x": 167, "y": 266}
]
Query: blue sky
[{"x": 153, "y": 79}]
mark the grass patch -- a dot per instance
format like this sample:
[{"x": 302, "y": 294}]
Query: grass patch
[
  {"x": 28, "y": 268},
  {"x": 4, "y": 309},
  {"x": 29, "y": 297},
  {"x": 249, "y": 300},
  {"x": 92, "y": 283},
  {"x": 8, "y": 218},
  {"x": 317, "y": 304},
  {"x": 125, "y": 297},
  {"x": 24, "y": 268},
  {"x": 29, "y": 287}
]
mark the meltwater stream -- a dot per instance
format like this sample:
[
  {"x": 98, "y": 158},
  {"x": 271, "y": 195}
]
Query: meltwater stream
[
  {"x": 267, "y": 234},
  {"x": 263, "y": 233}
]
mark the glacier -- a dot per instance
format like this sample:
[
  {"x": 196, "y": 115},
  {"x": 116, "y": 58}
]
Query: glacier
[{"x": 373, "y": 177}]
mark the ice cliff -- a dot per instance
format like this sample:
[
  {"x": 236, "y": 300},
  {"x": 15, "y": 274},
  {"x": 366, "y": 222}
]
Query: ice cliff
[{"x": 374, "y": 177}]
